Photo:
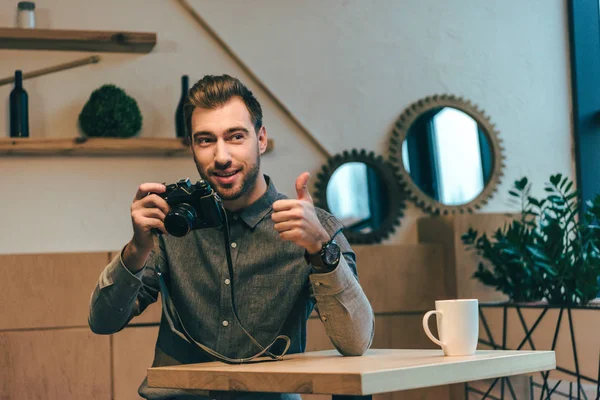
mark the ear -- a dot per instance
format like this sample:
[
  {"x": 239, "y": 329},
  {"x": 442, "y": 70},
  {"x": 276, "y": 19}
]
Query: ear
[{"x": 262, "y": 139}]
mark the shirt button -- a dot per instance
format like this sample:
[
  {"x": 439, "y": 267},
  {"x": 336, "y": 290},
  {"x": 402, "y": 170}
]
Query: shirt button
[
  {"x": 227, "y": 281},
  {"x": 324, "y": 318},
  {"x": 236, "y": 217},
  {"x": 225, "y": 323},
  {"x": 234, "y": 245}
]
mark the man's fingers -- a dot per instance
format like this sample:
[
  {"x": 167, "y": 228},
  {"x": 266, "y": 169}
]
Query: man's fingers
[
  {"x": 156, "y": 213},
  {"x": 287, "y": 225},
  {"x": 148, "y": 187},
  {"x": 287, "y": 204},
  {"x": 154, "y": 201},
  {"x": 281, "y": 216},
  {"x": 302, "y": 192},
  {"x": 154, "y": 223},
  {"x": 293, "y": 235}
]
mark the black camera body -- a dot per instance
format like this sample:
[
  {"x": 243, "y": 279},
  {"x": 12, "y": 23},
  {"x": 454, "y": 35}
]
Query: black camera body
[{"x": 193, "y": 207}]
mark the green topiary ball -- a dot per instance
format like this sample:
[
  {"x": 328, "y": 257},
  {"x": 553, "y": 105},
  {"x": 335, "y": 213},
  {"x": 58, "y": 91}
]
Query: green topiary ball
[{"x": 110, "y": 112}]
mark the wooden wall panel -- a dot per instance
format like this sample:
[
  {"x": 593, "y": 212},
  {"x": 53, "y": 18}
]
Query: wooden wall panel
[
  {"x": 460, "y": 263},
  {"x": 316, "y": 338},
  {"x": 54, "y": 364},
  {"x": 133, "y": 352},
  {"x": 402, "y": 332},
  {"x": 48, "y": 290},
  {"x": 401, "y": 277}
]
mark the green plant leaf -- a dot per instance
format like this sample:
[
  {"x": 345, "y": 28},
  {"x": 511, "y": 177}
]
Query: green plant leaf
[
  {"x": 568, "y": 187},
  {"x": 555, "y": 179},
  {"x": 521, "y": 183},
  {"x": 533, "y": 201},
  {"x": 556, "y": 199},
  {"x": 562, "y": 183},
  {"x": 537, "y": 253}
]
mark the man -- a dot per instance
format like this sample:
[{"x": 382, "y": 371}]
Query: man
[{"x": 288, "y": 257}]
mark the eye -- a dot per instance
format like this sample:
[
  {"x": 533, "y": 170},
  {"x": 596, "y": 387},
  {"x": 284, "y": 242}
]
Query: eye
[
  {"x": 203, "y": 141},
  {"x": 237, "y": 137}
]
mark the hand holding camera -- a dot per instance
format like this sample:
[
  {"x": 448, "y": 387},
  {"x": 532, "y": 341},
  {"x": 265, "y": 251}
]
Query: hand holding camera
[
  {"x": 148, "y": 212},
  {"x": 175, "y": 209},
  {"x": 192, "y": 206}
]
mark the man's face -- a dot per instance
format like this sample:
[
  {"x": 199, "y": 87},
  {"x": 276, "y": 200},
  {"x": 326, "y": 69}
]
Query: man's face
[{"x": 227, "y": 148}]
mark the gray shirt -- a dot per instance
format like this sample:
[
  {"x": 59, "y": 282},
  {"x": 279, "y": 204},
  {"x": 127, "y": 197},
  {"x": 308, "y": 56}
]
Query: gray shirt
[{"x": 275, "y": 291}]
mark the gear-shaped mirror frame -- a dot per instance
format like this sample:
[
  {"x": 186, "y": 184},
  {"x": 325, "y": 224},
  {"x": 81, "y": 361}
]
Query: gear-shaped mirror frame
[
  {"x": 400, "y": 131},
  {"x": 388, "y": 174}
]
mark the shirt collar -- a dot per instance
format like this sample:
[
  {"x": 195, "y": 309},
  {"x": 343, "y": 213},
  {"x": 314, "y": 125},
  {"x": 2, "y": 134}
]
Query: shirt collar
[{"x": 256, "y": 211}]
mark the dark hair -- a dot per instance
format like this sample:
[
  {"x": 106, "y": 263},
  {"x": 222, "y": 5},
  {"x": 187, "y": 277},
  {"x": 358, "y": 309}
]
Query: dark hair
[{"x": 213, "y": 91}]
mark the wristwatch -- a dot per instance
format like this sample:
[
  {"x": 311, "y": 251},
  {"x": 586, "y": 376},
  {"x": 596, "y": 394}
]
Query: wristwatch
[{"x": 328, "y": 258}]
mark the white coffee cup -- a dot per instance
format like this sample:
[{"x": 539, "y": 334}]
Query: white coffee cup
[{"x": 458, "y": 326}]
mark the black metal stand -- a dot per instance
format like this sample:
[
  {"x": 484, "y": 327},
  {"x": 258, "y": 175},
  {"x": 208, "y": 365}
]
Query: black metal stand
[{"x": 546, "y": 391}]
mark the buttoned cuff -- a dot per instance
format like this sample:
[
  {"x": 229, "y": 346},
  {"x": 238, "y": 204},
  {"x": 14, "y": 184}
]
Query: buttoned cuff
[{"x": 331, "y": 283}]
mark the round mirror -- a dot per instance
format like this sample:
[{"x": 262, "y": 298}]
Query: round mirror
[
  {"x": 363, "y": 192},
  {"x": 448, "y": 153},
  {"x": 357, "y": 197}
]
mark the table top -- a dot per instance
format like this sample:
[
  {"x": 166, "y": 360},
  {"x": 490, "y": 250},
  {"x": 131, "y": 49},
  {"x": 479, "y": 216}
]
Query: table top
[{"x": 377, "y": 371}]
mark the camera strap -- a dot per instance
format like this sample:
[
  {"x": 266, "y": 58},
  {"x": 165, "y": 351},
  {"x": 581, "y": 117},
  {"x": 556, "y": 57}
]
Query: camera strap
[{"x": 176, "y": 324}]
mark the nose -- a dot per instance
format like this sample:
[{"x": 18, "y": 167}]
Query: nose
[{"x": 222, "y": 156}]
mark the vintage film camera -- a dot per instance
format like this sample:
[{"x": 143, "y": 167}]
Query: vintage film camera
[{"x": 194, "y": 206}]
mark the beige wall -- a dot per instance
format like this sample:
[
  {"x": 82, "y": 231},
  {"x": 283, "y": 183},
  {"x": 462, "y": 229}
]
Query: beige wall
[{"x": 346, "y": 69}]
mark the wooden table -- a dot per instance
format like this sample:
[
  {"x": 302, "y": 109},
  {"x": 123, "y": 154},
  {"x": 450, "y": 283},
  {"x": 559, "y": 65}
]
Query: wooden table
[{"x": 327, "y": 372}]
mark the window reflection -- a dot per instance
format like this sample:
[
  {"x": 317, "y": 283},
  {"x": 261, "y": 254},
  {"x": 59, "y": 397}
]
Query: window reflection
[
  {"x": 458, "y": 156},
  {"x": 347, "y": 194},
  {"x": 448, "y": 156}
]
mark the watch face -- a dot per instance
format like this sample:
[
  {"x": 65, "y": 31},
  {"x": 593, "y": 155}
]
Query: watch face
[{"x": 331, "y": 255}]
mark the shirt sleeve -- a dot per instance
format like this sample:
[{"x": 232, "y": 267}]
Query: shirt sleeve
[
  {"x": 341, "y": 302},
  {"x": 120, "y": 295}
]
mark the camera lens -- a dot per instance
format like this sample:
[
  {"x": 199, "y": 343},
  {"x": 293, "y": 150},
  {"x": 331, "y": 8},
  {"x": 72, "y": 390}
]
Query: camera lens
[{"x": 180, "y": 219}]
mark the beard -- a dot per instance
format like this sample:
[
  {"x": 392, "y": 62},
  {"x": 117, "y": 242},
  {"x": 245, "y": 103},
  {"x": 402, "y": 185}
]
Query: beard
[{"x": 249, "y": 176}]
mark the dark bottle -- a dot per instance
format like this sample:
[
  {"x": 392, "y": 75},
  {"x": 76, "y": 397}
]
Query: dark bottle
[
  {"x": 179, "y": 118},
  {"x": 18, "y": 105}
]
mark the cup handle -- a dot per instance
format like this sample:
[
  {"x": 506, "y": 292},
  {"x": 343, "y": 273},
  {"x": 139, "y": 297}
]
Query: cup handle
[{"x": 426, "y": 327}]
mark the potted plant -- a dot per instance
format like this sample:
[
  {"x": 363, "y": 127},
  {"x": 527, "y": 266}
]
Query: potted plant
[
  {"x": 549, "y": 253},
  {"x": 110, "y": 112}
]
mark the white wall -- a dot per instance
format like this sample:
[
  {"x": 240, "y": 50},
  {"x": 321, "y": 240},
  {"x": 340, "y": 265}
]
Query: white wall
[{"x": 346, "y": 69}]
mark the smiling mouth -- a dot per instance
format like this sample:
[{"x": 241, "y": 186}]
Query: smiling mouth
[{"x": 225, "y": 174}]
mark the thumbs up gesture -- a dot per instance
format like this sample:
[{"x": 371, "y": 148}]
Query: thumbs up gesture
[{"x": 296, "y": 219}]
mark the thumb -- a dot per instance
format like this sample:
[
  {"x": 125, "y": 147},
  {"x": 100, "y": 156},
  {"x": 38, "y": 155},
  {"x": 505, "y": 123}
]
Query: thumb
[{"x": 301, "y": 189}]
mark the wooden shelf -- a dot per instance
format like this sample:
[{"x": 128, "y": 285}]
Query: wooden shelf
[
  {"x": 162, "y": 147},
  {"x": 55, "y": 39}
]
